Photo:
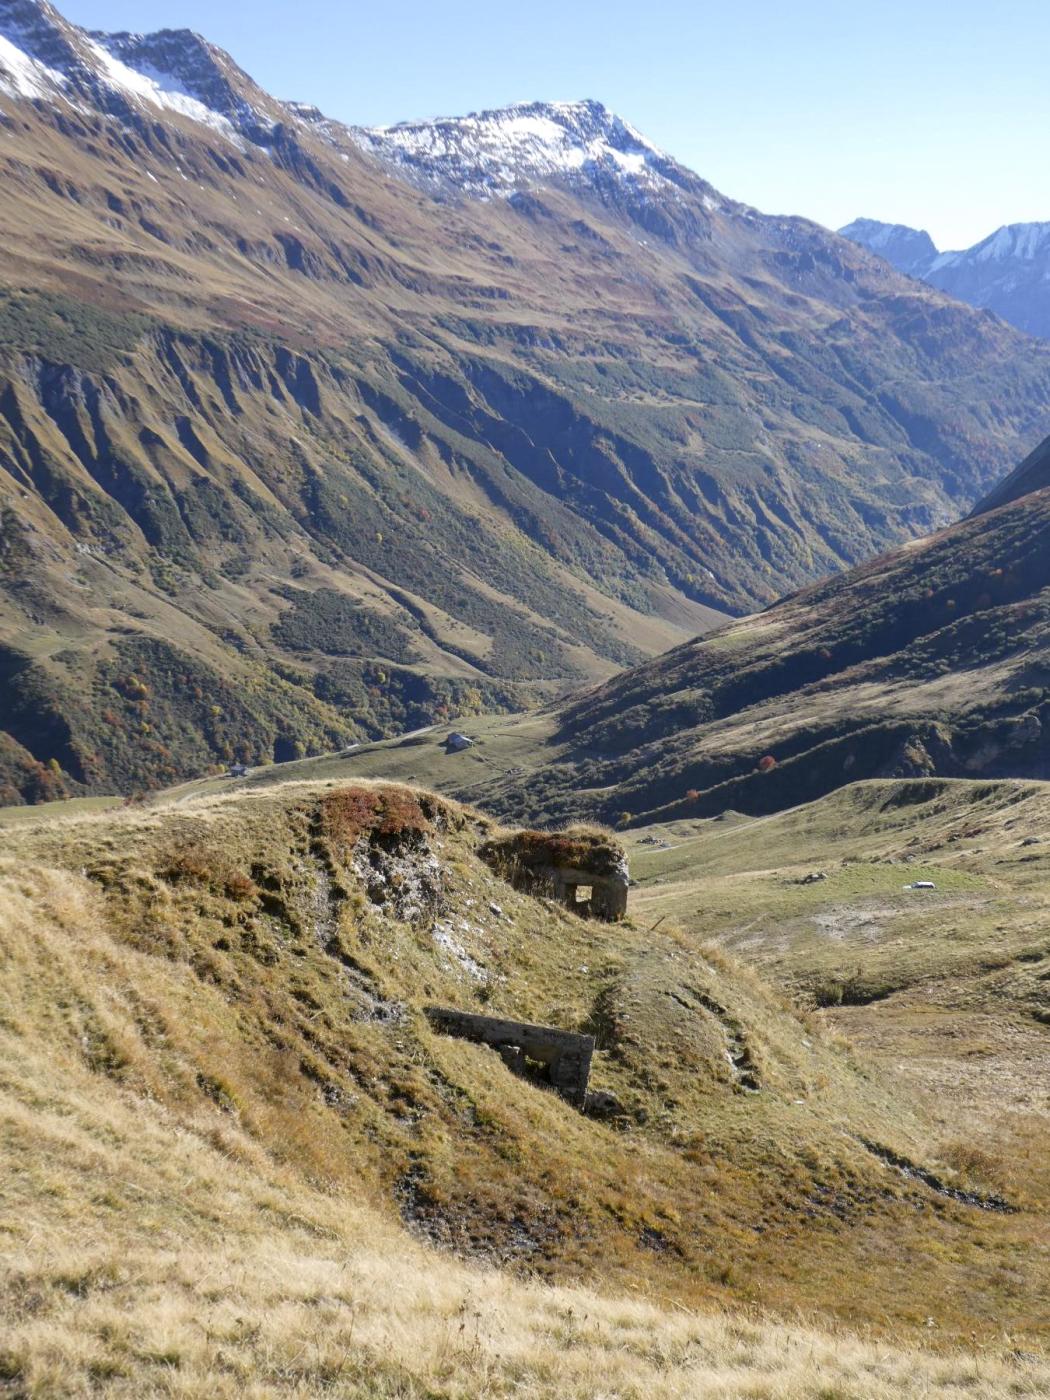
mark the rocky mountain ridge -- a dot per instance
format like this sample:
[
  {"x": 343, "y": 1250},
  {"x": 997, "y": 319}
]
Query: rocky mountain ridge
[
  {"x": 505, "y": 151},
  {"x": 910, "y": 250},
  {"x": 45, "y": 58}
]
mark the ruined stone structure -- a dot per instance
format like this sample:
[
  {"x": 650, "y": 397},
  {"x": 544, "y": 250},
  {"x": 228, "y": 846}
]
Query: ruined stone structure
[
  {"x": 585, "y": 871},
  {"x": 560, "y": 1058},
  {"x": 608, "y": 894}
]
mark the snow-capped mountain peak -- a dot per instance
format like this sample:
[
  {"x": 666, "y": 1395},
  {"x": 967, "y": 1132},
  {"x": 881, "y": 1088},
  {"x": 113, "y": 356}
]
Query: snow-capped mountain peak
[
  {"x": 498, "y": 152},
  {"x": 38, "y": 49},
  {"x": 1021, "y": 242},
  {"x": 44, "y": 57}
]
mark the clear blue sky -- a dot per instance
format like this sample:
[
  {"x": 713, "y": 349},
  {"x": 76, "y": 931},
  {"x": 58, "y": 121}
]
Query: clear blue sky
[{"x": 930, "y": 113}]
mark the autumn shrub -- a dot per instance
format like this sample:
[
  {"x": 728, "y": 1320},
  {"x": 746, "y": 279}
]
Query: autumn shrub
[{"x": 351, "y": 812}]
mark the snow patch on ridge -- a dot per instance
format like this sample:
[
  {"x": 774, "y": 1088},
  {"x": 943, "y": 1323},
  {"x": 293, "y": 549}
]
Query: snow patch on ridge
[
  {"x": 147, "y": 84},
  {"x": 1012, "y": 242},
  {"x": 882, "y": 237},
  {"x": 22, "y": 76}
]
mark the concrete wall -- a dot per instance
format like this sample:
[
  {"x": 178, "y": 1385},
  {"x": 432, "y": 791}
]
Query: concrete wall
[
  {"x": 608, "y": 896},
  {"x": 566, "y": 1056}
]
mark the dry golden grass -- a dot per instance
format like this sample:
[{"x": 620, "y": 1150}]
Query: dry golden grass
[
  {"x": 272, "y": 1321},
  {"x": 146, "y": 1257},
  {"x": 183, "y": 1214}
]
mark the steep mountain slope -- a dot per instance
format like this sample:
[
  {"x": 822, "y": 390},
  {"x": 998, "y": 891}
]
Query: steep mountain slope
[
  {"x": 933, "y": 659},
  {"x": 1008, "y": 272},
  {"x": 293, "y": 453},
  {"x": 1030, "y": 475}
]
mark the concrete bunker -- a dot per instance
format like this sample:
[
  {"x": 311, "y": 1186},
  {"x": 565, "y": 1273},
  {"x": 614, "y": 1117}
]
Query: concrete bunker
[
  {"x": 541, "y": 1053},
  {"x": 584, "y": 870}
]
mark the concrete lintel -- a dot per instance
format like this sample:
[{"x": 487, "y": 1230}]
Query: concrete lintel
[{"x": 566, "y": 1053}]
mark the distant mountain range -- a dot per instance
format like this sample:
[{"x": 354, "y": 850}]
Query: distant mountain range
[
  {"x": 310, "y": 433},
  {"x": 1008, "y": 272},
  {"x": 910, "y": 250}
]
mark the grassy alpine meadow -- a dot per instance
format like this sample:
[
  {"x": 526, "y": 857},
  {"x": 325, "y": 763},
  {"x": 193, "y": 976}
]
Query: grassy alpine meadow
[
  {"x": 947, "y": 984},
  {"x": 237, "y": 1160}
]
